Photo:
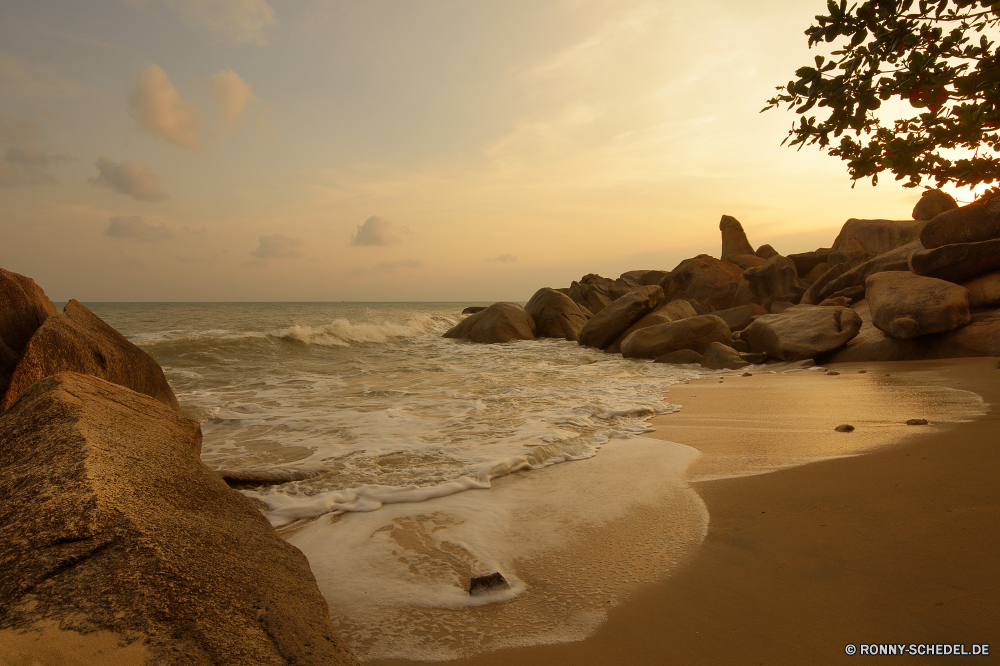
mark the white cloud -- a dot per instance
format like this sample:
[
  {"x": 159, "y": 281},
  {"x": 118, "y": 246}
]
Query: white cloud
[
  {"x": 158, "y": 108},
  {"x": 129, "y": 177},
  {"x": 505, "y": 258},
  {"x": 241, "y": 21},
  {"x": 378, "y": 231},
  {"x": 277, "y": 246},
  {"x": 137, "y": 227},
  {"x": 230, "y": 93}
]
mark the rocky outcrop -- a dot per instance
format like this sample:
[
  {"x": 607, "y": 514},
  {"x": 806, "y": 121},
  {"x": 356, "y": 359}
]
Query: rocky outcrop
[
  {"x": 500, "y": 322},
  {"x": 695, "y": 333},
  {"x": 851, "y": 253},
  {"x": 958, "y": 262},
  {"x": 906, "y": 306},
  {"x": 722, "y": 357},
  {"x": 609, "y": 323},
  {"x": 555, "y": 314},
  {"x": 672, "y": 311},
  {"x": 110, "y": 522},
  {"x": 980, "y": 337},
  {"x": 705, "y": 279},
  {"x": 806, "y": 261},
  {"x": 844, "y": 278},
  {"x": 775, "y": 279},
  {"x": 734, "y": 239},
  {"x": 740, "y": 317},
  {"x": 77, "y": 340},
  {"x": 23, "y": 308},
  {"x": 932, "y": 203},
  {"x": 766, "y": 251},
  {"x": 969, "y": 224},
  {"x": 803, "y": 331},
  {"x": 984, "y": 291},
  {"x": 878, "y": 236},
  {"x": 596, "y": 293}
]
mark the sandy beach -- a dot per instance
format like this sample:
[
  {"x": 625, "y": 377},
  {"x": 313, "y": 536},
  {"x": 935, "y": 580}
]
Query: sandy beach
[{"x": 898, "y": 545}]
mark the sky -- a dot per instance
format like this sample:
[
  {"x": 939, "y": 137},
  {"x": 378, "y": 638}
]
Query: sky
[{"x": 399, "y": 150}]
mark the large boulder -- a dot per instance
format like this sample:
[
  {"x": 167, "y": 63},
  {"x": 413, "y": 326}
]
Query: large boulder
[
  {"x": 776, "y": 278},
  {"x": 608, "y": 324},
  {"x": 984, "y": 291},
  {"x": 878, "y": 236},
  {"x": 844, "y": 278},
  {"x": 803, "y": 331},
  {"x": 722, "y": 357},
  {"x": 932, "y": 203},
  {"x": 980, "y": 337},
  {"x": 906, "y": 306},
  {"x": 79, "y": 341},
  {"x": 734, "y": 239},
  {"x": 110, "y": 522},
  {"x": 975, "y": 222},
  {"x": 740, "y": 317},
  {"x": 23, "y": 308},
  {"x": 500, "y": 322},
  {"x": 695, "y": 333},
  {"x": 705, "y": 279},
  {"x": 806, "y": 261},
  {"x": 958, "y": 262},
  {"x": 596, "y": 293},
  {"x": 555, "y": 314},
  {"x": 672, "y": 311}
]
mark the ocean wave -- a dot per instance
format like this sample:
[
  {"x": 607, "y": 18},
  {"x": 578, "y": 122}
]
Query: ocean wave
[{"x": 343, "y": 333}]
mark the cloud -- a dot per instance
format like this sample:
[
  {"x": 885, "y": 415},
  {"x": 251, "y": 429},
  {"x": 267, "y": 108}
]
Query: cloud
[
  {"x": 24, "y": 79},
  {"x": 377, "y": 231},
  {"x": 393, "y": 266},
  {"x": 277, "y": 246},
  {"x": 129, "y": 177},
  {"x": 158, "y": 108},
  {"x": 240, "y": 21},
  {"x": 505, "y": 258},
  {"x": 230, "y": 93},
  {"x": 137, "y": 227}
]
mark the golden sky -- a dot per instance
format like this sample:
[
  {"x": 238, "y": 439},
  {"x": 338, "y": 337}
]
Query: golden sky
[{"x": 399, "y": 150}]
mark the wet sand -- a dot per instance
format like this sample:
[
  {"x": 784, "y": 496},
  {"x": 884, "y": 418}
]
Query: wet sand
[{"x": 899, "y": 545}]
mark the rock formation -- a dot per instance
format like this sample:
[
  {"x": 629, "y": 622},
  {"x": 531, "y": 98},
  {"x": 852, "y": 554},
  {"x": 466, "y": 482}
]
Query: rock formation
[
  {"x": 906, "y": 306},
  {"x": 957, "y": 262},
  {"x": 878, "y": 236},
  {"x": 695, "y": 333},
  {"x": 609, "y": 323},
  {"x": 969, "y": 224},
  {"x": 555, "y": 314},
  {"x": 705, "y": 279},
  {"x": 932, "y": 203},
  {"x": 23, "y": 308},
  {"x": 500, "y": 322},
  {"x": 803, "y": 331},
  {"x": 722, "y": 357},
  {"x": 668, "y": 312}
]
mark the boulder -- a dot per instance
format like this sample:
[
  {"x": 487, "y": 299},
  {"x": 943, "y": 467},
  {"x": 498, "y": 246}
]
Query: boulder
[
  {"x": 975, "y": 222},
  {"x": 984, "y": 291},
  {"x": 79, "y": 341},
  {"x": 746, "y": 261},
  {"x": 680, "y": 357},
  {"x": 958, "y": 262},
  {"x": 596, "y": 293},
  {"x": 722, "y": 357},
  {"x": 734, "y": 239},
  {"x": 500, "y": 322},
  {"x": 766, "y": 251},
  {"x": 893, "y": 260},
  {"x": 110, "y": 522},
  {"x": 555, "y": 314},
  {"x": 705, "y": 279},
  {"x": 473, "y": 309},
  {"x": 906, "y": 306},
  {"x": 802, "y": 332},
  {"x": 878, "y": 236},
  {"x": 666, "y": 313},
  {"x": 980, "y": 337},
  {"x": 609, "y": 323},
  {"x": 817, "y": 271},
  {"x": 806, "y": 261},
  {"x": 932, "y": 203},
  {"x": 646, "y": 277},
  {"x": 853, "y": 294},
  {"x": 776, "y": 277},
  {"x": 23, "y": 308},
  {"x": 695, "y": 333},
  {"x": 740, "y": 317}
]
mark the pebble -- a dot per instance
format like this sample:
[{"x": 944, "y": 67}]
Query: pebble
[
  {"x": 844, "y": 427},
  {"x": 916, "y": 422},
  {"x": 747, "y": 374},
  {"x": 861, "y": 372}
]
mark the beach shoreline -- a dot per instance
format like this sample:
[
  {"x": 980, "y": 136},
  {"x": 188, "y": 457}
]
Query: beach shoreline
[{"x": 894, "y": 546}]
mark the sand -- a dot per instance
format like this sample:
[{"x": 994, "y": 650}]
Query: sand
[{"x": 899, "y": 545}]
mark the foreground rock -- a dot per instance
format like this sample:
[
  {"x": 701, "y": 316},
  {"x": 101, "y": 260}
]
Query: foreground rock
[
  {"x": 77, "y": 340},
  {"x": 695, "y": 333},
  {"x": 803, "y": 331},
  {"x": 23, "y": 308},
  {"x": 110, "y": 522},
  {"x": 556, "y": 315},
  {"x": 906, "y": 306},
  {"x": 958, "y": 262},
  {"x": 500, "y": 322},
  {"x": 609, "y": 323},
  {"x": 705, "y": 279},
  {"x": 984, "y": 291},
  {"x": 666, "y": 313},
  {"x": 968, "y": 224},
  {"x": 722, "y": 357}
]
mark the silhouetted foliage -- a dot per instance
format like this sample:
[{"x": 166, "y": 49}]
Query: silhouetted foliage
[{"x": 936, "y": 56}]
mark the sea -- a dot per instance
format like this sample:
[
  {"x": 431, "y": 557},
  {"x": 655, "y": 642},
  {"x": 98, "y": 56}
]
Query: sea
[{"x": 423, "y": 461}]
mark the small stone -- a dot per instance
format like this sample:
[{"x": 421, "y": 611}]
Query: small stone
[
  {"x": 832, "y": 373},
  {"x": 861, "y": 372},
  {"x": 916, "y": 422},
  {"x": 747, "y": 374},
  {"x": 488, "y": 584},
  {"x": 844, "y": 427}
]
